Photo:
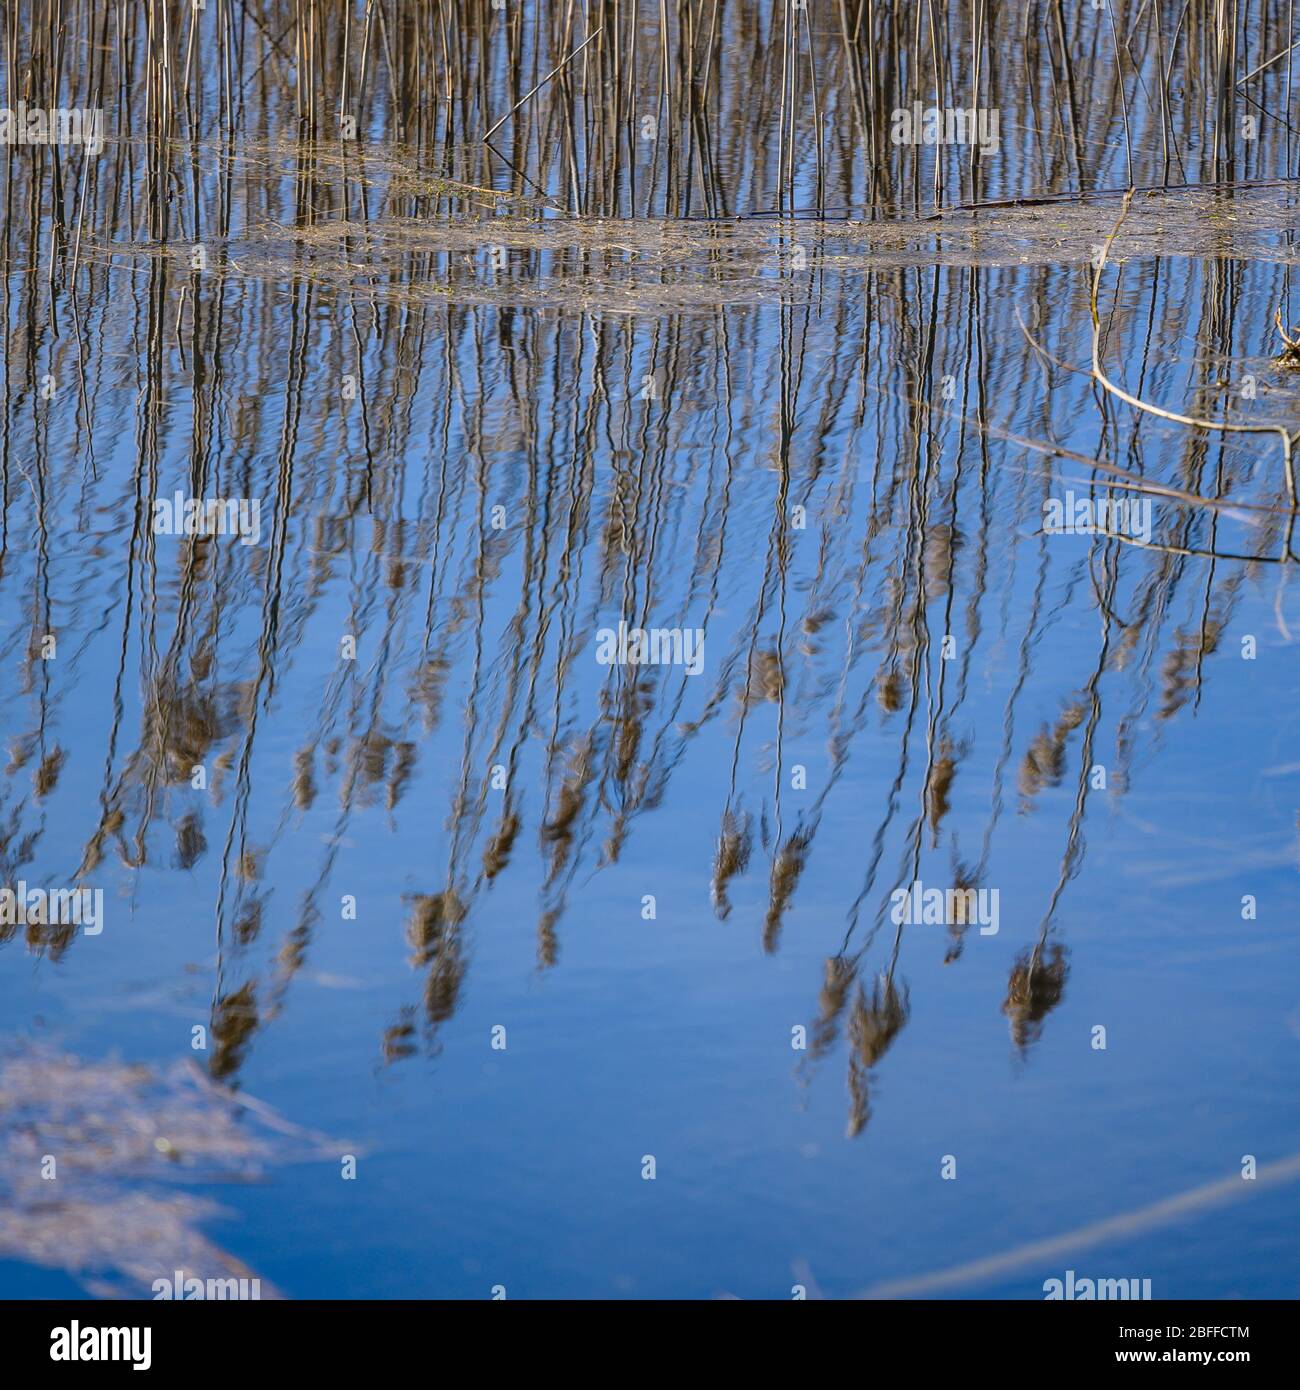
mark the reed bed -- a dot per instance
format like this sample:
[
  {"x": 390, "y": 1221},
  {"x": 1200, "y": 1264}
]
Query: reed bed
[{"x": 696, "y": 108}]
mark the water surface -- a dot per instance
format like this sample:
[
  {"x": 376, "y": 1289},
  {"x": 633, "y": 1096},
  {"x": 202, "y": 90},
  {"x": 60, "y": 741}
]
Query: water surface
[{"x": 438, "y": 891}]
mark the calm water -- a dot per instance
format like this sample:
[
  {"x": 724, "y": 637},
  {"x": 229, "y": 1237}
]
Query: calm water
[{"x": 592, "y": 969}]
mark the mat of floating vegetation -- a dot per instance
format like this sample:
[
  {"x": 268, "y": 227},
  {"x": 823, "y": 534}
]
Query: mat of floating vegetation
[
  {"x": 474, "y": 246},
  {"x": 92, "y": 1154}
]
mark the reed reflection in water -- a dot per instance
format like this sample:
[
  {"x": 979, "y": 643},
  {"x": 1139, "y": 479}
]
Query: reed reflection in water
[
  {"x": 379, "y": 804},
  {"x": 844, "y": 495}
]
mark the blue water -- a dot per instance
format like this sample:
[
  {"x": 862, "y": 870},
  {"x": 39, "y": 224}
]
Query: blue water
[{"x": 671, "y": 1037}]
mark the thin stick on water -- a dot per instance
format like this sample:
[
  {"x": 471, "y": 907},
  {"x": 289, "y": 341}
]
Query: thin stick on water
[
  {"x": 541, "y": 84},
  {"x": 1282, "y": 431}
]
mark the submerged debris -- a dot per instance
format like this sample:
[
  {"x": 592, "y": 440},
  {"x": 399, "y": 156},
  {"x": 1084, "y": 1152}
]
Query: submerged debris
[
  {"x": 732, "y": 858},
  {"x": 1290, "y": 354},
  {"x": 786, "y": 869},
  {"x": 766, "y": 678},
  {"x": 1044, "y": 763},
  {"x": 89, "y": 1150},
  {"x": 873, "y": 1025},
  {"x": 1036, "y": 987}
]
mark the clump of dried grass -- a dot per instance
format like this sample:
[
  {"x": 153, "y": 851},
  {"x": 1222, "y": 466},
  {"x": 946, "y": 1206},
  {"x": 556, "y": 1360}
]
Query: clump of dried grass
[
  {"x": 1289, "y": 357},
  {"x": 732, "y": 857},
  {"x": 1035, "y": 988}
]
